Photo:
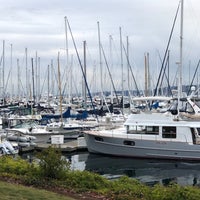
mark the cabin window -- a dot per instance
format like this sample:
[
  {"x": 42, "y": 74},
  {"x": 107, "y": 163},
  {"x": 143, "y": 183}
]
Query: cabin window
[
  {"x": 149, "y": 130},
  {"x": 129, "y": 143},
  {"x": 152, "y": 130},
  {"x": 131, "y": 129},
  {"x": 169, "y": 132},
  {"x": 100, "y": 139}
]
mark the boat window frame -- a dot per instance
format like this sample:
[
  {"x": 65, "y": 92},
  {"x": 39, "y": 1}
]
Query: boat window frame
[{"x": 169, "y": 132}]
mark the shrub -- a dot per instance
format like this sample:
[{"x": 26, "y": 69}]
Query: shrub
[
  {"x": 84, "y": 181},
  {"x": 52, "y": 165},
  {"x": 128, "y": 188},
  {"x": 16, "y": 166}
]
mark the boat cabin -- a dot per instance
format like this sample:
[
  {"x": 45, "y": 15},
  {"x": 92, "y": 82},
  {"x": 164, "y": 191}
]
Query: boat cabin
[{"x": 159, "y": 129}]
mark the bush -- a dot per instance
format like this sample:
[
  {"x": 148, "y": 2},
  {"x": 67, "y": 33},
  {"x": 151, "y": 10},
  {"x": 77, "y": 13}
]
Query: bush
[
  {"x": 175, "y": 192},
  {"x": 128, "y": 188},
  {"x": 84, "y": 181},
  {"x": 16, "y": 166},
  {"x": 52, "y": 165}
]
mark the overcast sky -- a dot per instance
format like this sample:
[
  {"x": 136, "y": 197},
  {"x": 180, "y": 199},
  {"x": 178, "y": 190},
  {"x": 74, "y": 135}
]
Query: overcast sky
[{"x": 39, "y": 26}]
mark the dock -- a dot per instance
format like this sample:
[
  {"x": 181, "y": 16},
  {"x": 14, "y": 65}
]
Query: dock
[{"x": 71, "y": 146}]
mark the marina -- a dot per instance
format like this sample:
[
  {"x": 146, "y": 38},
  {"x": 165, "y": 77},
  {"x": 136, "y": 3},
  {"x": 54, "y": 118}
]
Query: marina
[
  {"x": 150, "y": 171},
  {"x": 105, "y": 114}
]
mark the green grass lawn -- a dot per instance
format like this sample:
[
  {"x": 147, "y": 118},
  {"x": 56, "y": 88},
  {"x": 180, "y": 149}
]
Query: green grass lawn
[{"x": 10, "y": 191}]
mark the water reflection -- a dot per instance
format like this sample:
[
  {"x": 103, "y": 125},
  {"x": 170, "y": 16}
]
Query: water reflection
[{"x": 146, "y": 170}]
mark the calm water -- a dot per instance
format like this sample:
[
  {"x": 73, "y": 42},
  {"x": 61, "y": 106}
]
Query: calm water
[{"x": 145, "y": 170}]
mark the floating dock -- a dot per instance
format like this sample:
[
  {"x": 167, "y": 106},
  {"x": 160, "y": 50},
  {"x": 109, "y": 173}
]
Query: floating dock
[{"x": 71, "y": 146}]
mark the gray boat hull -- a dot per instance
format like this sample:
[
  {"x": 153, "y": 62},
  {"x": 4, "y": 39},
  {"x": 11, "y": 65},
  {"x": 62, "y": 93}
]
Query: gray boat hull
[{"x": 142, "y": 148}]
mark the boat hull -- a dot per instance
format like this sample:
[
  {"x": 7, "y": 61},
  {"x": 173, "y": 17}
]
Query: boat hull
[{"x": 127, "y": 147}]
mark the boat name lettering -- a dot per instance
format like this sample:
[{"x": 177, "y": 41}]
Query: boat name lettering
[{"x": 161, "y": 142}]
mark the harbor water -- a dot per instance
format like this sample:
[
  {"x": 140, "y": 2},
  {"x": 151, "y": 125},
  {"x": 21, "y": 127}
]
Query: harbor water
[{"x": 148, "y": 171}]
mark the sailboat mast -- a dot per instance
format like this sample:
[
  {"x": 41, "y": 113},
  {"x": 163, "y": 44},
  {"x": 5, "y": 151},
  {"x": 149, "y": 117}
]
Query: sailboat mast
[
  {"x": 145, "y": 75},
  {"x": 67, "y": 67},
  {"x": 48, "y": 86},
  {"x": 59, "y": 85},
  {"x": 11, "y": 66},
  {"x": 38, "y": 89},
  {"x": 128, "y": 70},
  {"x": 18, "y": 81},
  {"x": 180, "y": 63},
  {"x": 27, "y": 83},
  {"x": 36, "y": 76},
  {"x": 52, "y": 78},
  {"x": 148, "y": 76},
  {"x": 100, "y": 63},
  {"x": 84, "y": 67},
  {"x": 33, "y": 82},
  {"x": 181, "y": 48},
  {"x": 3, "y": 71},
  {"x": 111, "y": 64},
  {"x": 66, "y": 40},
  {"x": 122, "y": 67}
]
